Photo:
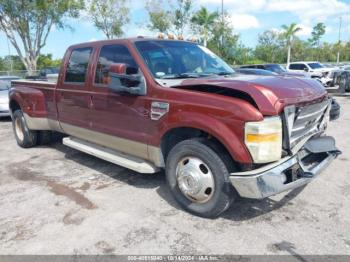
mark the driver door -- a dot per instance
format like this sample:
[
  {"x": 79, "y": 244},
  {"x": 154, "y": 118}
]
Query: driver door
[{"x": 119, "y": 120}]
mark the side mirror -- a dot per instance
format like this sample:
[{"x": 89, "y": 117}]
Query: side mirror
[
  {"x": 126, "y": 79},
  {"x": 306, "y": 69},
  {"x": 119, "y": 69}
]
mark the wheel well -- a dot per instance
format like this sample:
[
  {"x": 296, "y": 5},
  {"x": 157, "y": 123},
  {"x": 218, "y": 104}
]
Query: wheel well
[
  {"x": 177, "y": 135},
  {"x": 14, "y": 106}
]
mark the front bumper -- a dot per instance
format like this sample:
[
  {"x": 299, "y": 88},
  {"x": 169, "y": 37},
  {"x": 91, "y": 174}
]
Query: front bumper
[{"x": 288, "y": 173}]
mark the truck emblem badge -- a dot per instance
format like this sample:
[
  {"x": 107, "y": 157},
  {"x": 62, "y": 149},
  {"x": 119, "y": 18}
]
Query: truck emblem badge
[{"x": 158, "y": 110}]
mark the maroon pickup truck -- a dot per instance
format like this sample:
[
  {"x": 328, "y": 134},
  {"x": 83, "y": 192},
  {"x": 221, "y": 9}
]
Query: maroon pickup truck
[{"x": 153, "y": 104}]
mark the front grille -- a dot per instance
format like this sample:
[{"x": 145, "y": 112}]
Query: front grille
[{"x": 306, "y": 121}]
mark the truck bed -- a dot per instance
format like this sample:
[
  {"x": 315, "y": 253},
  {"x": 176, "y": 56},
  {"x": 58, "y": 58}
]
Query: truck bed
[{"x": 34, "y": 83}]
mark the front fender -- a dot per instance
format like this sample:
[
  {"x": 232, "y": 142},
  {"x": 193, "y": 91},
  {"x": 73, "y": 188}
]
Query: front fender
[{"x": 230, "y": 135}]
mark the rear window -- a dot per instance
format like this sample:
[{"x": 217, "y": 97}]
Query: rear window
[{"x": 77, "y": 65}]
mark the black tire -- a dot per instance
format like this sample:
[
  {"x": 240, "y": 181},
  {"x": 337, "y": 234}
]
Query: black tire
[
  {"x": 24, "y": 136},
  {"x": 224, "y": 193},
  {"x": 343, "y": 81}
]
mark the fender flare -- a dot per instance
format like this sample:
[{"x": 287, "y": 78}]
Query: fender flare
[{"x": 211, "y": 126}]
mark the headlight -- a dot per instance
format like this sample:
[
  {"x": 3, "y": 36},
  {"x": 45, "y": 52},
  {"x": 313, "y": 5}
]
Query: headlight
[{"x": 264, "y": 139}]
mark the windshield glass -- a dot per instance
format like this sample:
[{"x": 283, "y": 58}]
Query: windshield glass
[
  {"x": 4, "y": 85},
  {"x": 179, "y": 59},
  {"x": 276, "y": 68},
  {"x": 315, "y": 65}
]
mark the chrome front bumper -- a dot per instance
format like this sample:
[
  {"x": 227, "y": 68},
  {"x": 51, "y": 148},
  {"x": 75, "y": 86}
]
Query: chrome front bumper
[{"x": 288, "y": 173}]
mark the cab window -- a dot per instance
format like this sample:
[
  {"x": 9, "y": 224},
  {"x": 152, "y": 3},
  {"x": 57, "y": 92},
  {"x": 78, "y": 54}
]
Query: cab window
[
  {"x": 77, "y": 66},
  {"x": 109, "y": 55},
  {"x": 296, "y": 67}
]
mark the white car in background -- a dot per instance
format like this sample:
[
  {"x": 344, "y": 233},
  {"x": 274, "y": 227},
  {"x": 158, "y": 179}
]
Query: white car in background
[
  {"x": 5, "y": 84},
  {"x": 315, "y": 70}
]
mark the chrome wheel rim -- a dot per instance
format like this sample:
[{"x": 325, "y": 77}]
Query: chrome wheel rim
[
  {"x": 195, "y": 179},
  {"x": 18, "y": 128}
]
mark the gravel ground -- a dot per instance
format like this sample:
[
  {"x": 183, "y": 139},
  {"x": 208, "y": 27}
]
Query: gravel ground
[{"x": 56, "y": 200}]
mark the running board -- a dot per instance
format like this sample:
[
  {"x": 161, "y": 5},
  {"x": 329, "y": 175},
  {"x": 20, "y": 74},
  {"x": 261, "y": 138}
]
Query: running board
[{"x": 113, "y": 156}]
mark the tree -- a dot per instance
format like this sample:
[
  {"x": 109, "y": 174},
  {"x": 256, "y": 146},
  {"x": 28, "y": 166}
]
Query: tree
[
  {"x": 203, "y": 21},
  {"x": 17, "y": 63},
  {"x": 27, "y": 24},
  {"x": 222, "y": 29},
  {"x": 47, "y": 61},
  {"x": 288, "y": 34},
  {"x": 315, "y": 41},
  {"x": 182, "y": 15},
  {"x": 160, "y": 18},
  {"x": 109, "y": 16},
  {"x": 270, "y": 47},
  {"x": 318, "y": 31}
]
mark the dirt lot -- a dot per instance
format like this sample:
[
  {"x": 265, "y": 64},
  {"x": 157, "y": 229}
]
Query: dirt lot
[{"x": 55, "y": 200}]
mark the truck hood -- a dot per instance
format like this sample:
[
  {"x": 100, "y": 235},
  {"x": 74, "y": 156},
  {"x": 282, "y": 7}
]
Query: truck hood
[{"x": 270, "y": 93}]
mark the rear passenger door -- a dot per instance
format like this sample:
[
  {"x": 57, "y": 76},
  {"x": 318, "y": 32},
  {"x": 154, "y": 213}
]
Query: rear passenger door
[{"x": 73, "y": 94}]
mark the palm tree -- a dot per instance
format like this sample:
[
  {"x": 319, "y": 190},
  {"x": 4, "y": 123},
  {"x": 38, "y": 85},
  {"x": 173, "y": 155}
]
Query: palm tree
[
  {"x": 288, "y": 34},
  {"x": 204, "y": 20}
]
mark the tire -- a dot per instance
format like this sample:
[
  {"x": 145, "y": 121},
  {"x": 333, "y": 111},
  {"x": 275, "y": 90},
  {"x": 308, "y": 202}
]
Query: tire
[
  {"x": 200, "y": 154},
  {"x": 24, "y": 136},
  {"x": 343, "y": 83}
]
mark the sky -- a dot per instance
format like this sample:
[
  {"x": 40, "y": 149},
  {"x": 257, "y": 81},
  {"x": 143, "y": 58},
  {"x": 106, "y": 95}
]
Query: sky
[{"x": 248, "y": 17}]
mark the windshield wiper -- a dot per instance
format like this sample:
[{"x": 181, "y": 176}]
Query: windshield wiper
[
  {"x": 224, "y": 73},
  {"x": 184, "y": 75}
]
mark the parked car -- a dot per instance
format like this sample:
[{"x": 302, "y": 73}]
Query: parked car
[
  {"x": 4, "y": 98},
  {"x": 313, "y": 69},
  {"x": 5, "y": 84},
  {"x": 276, "y": 68},
  {"x": 9, "y": 78},
  {"x": 251, "y": 71},
  {"x": 151, "y": 104},
  {"x": 344, "y": 81},
  {"x": 50, "y": 73}
]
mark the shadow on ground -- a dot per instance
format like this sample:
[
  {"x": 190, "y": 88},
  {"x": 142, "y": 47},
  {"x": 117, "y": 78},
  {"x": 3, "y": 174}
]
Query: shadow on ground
[
  {"x": 242, "y": 209},
  {"x": 5, "y": 119}
]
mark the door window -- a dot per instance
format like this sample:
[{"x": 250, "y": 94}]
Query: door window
[
  {"x": 111, "y": 54},
  {"x": 77, "y": 65},
  {"x": 296, "y": 67}
]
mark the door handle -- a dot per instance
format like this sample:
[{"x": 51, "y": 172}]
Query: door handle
[{"x": 91, "y": 101}]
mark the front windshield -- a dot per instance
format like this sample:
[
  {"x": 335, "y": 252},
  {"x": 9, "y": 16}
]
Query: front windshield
[
  {"x": 276, "y": 68},
  {"x": 180, "y": 59},
  {"x": 315, "y": 65}
]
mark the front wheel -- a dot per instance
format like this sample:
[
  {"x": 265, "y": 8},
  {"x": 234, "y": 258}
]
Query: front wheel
[{"x": 199, "y": 178}]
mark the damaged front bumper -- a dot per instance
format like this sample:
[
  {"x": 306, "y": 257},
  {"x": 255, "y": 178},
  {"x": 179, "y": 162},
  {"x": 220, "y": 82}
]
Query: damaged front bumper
[{"x": 288, "y": 173}]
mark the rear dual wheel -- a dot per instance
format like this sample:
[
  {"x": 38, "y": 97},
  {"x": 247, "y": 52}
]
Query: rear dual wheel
[
  {"x": 198, "y": 177},
  {"x": 26, "y": 137}
]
